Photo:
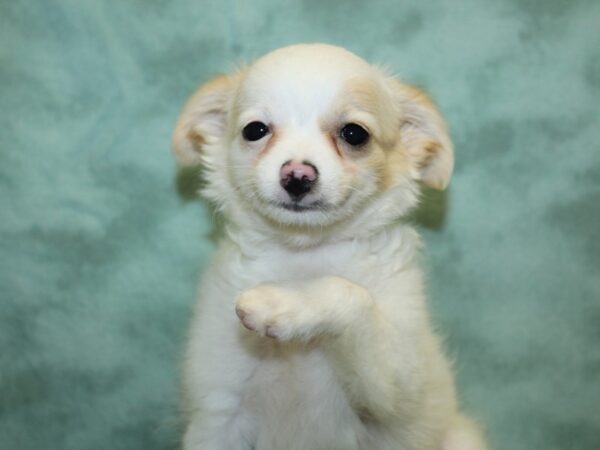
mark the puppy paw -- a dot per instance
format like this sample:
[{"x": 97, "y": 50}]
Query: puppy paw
[{"x": 275, "y": 312}]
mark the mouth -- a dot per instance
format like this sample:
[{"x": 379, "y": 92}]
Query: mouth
[{"x": 296, "y": 207}]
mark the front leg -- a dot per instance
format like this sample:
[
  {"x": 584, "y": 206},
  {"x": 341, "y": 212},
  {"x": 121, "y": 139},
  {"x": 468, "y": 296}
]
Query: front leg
[
  {"x": 361, "y": 344},
  {"x": 326, "y": 306}
]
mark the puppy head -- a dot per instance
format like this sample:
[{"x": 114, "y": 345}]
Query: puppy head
[{"x": 313, "y": 136}]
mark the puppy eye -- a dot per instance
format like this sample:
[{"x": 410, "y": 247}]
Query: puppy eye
[
  {"x": 354, "y": 134},
  {"x": 255, "y": 131}
]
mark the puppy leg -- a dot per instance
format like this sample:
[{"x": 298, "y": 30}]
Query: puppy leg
[
  {"x": 372, "y": 360},
  {"x": 464, "y": 434},
  {"x": 323, "y": 307}
]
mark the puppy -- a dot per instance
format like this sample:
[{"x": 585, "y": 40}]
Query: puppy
[{"x": 311, "y": 331}]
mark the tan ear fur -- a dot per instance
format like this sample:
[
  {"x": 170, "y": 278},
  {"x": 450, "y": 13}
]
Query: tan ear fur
[
  {"x": 424, "y": 135},
  {"x": 202, "y": 120}
]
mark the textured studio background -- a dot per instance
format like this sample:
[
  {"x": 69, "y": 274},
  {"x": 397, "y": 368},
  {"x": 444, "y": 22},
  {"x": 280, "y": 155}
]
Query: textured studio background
[{"x": 100, "y": 253}]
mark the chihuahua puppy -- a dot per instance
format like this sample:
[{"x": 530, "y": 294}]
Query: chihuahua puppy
[{"x": 311, "y": 331}]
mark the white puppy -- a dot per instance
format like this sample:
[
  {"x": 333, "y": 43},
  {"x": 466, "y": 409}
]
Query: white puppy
[{"x": 311, "y": 330}]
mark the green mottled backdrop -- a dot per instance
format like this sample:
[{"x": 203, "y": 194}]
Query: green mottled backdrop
[{"x": 100, "y": 254}]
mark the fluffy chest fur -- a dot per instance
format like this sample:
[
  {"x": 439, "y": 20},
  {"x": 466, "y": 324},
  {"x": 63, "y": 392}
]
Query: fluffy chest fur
[
  {"x": 296, "y": 402},
  {"x": 287, "y": 395}
]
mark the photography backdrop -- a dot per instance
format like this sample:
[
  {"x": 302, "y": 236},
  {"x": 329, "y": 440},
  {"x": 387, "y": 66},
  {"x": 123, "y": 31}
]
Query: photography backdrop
[{"x": 100, "y": 251}]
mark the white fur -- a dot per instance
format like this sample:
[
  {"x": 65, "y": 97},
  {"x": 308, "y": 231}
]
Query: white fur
[{"x": 331, "y": 347}]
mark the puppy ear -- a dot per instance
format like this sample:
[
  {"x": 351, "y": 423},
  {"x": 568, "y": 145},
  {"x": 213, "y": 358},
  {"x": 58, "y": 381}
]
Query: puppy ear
[
  {"x": 424, "y": 136},
  {"x": 202, "y": 120}
]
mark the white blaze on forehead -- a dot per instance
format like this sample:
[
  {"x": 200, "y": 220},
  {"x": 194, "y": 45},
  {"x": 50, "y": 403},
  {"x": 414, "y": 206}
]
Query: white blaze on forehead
[{"x": 298, "y": 83}]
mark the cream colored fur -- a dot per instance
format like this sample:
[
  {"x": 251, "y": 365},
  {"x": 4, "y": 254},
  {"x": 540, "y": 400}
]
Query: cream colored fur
[{"x": 311, "y": 330}]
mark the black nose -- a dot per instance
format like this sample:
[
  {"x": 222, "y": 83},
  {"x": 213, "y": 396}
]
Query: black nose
[
  {"x": 298, "y": 179},
  {"x": 297, "y": 187}
]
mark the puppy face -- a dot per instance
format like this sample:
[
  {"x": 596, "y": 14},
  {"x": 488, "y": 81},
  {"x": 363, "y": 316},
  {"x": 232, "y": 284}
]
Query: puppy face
[{"x": 312, "y": 135}]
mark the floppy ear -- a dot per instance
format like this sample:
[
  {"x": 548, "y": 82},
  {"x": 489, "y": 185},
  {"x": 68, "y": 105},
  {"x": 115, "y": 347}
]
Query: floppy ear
[
  {"x": 424, "y": 136},
  {"x": 202, "y": 120}
]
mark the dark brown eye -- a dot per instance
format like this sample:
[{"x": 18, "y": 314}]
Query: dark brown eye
[
  {"x": 255, "y": 131},
  {"x": 354, "y": 134}
]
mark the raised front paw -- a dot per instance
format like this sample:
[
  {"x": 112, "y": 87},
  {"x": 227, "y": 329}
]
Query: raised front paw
[{"x": 276, "y": 312}]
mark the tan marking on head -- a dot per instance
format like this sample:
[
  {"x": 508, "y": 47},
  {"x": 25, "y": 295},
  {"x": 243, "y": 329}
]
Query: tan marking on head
[
  {"x": 268, "y": 146},
  {"x": 202, "y": 119},
  {"x": 362, "y": 93},
  {"x": 333, "y": 139},
  {"x": 424, "y": 135},
  {"x": 357, "y": 101},
  {"x": 396, "y": 165},
  {"x": 430, "y": 152},
  {"x": 195, "y": 138}
]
